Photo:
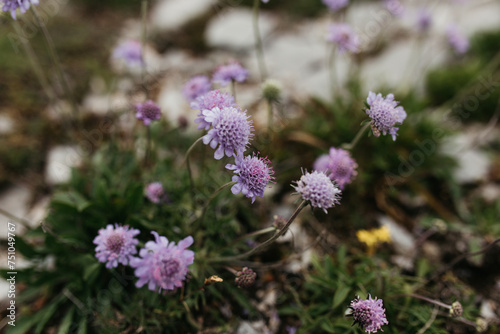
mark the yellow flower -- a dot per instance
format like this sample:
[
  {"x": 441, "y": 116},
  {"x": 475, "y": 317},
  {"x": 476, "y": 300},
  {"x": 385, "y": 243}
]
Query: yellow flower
[{"x": 372, "y": 238}]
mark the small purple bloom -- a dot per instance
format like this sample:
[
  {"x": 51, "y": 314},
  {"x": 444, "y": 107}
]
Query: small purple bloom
[
  {"x": 116, "y": 245},
  {"x": 231, "y": 131},
  {"x": 335, "y": 5},
  {"x": 342, "y": 35},
  {"x": 395, "y": 7},
  {"x": 385, "y": 114},
  {"x": 12, "y": 5},
  {"x": 148, "y": 112},
  {"x": 318, "y": 189},
  {"x": 338, "y": 165},
  {"x": 368, "y": 313},
  {"x": 291, "y": 329},
  {"x": 209, "y": 101},
  {"x": 155, "y": 193},
  {"x": 163, "y": 265},
  {"x": 457, "y": 40},
  {"x": 196, "y": 86},
  {"x": 129, "y": 51},
  {"x": 225, "y": 74},
  {"x": 253, "y": 175},
  {"x": 265, "y": 1},
  {"x": 424, "y": 19}
]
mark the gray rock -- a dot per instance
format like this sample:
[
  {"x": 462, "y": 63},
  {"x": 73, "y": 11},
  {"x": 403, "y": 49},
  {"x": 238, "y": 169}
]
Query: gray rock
[{"x": 169, "y": 15}]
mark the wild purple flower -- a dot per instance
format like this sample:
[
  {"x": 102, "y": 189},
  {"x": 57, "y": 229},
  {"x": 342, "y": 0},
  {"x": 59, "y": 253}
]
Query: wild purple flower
[
  {"x": 163, "y": 265},
  {"x": 457, "y": 40},
  {"x": 196, "y": 86},
  {"x": 209, "y": 101},
  {"x": 338, "y": 165},
  {"x": 155, "y": 193},
  {"x": 335, "y": 5},
  {"x": 148, "y": 112},
  {"x": 384, "y": 114},
  {"x": 233, "y": 71},
  {"x": 345, "y": 38},
  {"x": 368, "y": 313},
  {"x": 231, "y": 131},
  {"x": 253, "y": 175},
  {"x": 116, "y": 245},
  {"x": 395, "y": 7},
  {"x": 318, "y": 189},
  {"x": 129, "y": 51},
  {"x": 12, "y": 5},
  {"x": 265, "y": 1},
  {"x": 424, "y": 19}
]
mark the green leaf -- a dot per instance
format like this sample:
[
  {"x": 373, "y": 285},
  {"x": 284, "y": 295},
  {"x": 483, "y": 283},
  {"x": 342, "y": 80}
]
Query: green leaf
[
  {"x": 327, "y": 326},
  {"x": 45, "y": 314},
  {"x": 71, "y": 199},
  {"x": 89, "y": 270},
  {"x": 66, "y": 322},
  {"x": 82, "y": 326},
  {"x": 340, "y": 295},
  {"x": 22, "y": 325}
]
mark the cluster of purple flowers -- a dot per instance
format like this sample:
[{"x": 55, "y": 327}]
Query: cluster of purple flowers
[
  {"x": 345, "y": 38},
  {"x": 12, "y": 5}
]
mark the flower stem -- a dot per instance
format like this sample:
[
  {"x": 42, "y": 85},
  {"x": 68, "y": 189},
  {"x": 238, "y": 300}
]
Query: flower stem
[
  {"x": 224, "y": 186},
  {"x": 353, "y": 143},
  {"x": 258, "y": 41},
  {"x": 233, "y": 89},
  {"x": 433, "y": 301},
  {"x": 144, "y": 18},
  {"x": 186, "y": 159},
  {"x": 334, "y": 81},
  {"x": 269, "y": 116},
  {"x": 148, "y": 146},
  {"x": 267, "y": 242},
  {"x": 249, "y": 235}
]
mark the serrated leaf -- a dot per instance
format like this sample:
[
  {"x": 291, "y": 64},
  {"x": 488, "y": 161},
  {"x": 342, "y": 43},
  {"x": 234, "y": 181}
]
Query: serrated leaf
[{"x": 71, "y": 199}]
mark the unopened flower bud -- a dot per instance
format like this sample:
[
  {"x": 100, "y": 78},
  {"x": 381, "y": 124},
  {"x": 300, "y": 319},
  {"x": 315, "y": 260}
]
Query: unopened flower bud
[
  {"x": 245, "y": 278},
  {"x": 456, "y": 310},
  {"x": 271, "y": 90},
  {"x": 481, "y": 325}
]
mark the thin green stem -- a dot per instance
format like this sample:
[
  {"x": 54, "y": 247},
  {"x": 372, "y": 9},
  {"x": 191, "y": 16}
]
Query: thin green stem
[
  {"x": 22, "y": 221},
  {"x": 186, "y": 159},
  {"x": 334, "y": 81},
  {"x": 233, "y": 89},
  {"x": 144, "y": 36},
  {"x": 269, "y": 116},
  {"x": 356, "y": 139},
  {"x": 258, "y": 42},
  {"x": 148, "y": 146},
  {"x": 249, "y": 235},
  {"x": 433, "y": 301},
  {"x": 224, "y": 186},
  {"x": 265, "y": 243}
]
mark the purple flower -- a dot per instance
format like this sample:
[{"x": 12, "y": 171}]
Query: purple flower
[
  {"x": 231, "y": 131},
  {"x": 384, "y": 114},
  {"x": 209, "y": 101},
  {"x": 116, "y": 244},
  {"x": 155, "y": 193},
  {"x": 457, "y": 40},
  {"x": 196, "y": 86},
  {"x": 342, "y": 35},
  {"x": 318, "y": 189},
  {"x": 335, "y": 5},
  {"x": 368, "y": 313},
  {"x": 424, "y": 19},
  {"x": 148, "y": 112},
  {"x": 338, "y": 165},
  {"x": 163, "y": 265},
  {"x": 245, "y": 278},
  {"x": 12, "y": 5},
  {"x": 225, "y": 74},
  {"x": 395, "y": 7},
  {"x": 130, "y": 51},
  {"x": 253, "y": 175}
]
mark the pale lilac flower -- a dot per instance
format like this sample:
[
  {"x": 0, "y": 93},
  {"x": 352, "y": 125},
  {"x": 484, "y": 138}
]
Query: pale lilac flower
[
  {"x": 457, "y": 40},
  {"x": 163, "y": 265},
  {"x": 395, "y": 7},
  {"x": 385, "y": 114},
  {"x": 226, "y": 74},
  {"x": 147, "y": 112},
  {"x": 116, "y": 245},
  {"x": 335, "y": 5},
  {"x": 155, "y": 193},
  {"x": 245, "y": 278},
  {"x": 368, "y": 313},
  {"x": 291, "y": 329},
  {"x": 209, "y": 101},
  {"x": 253, "y": 175},
  {"x": 424, "y": 19},
  {"x": 338, "y": 165},
  {"x": 231, "y": 131},
  {"x": 265, "y": 1},
  {"x": 345, "y": 38},
  {"x": 318, "y": 189},
  {"x": 196, "y": 86},
  {"x": 12, "y": 5},
  {"x": 130, "y": 52}
]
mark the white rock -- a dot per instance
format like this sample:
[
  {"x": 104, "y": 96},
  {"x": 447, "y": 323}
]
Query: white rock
[
  {"x": 174, "y": 105},
  {"x": 172, "y": 14},
  {"x": 6, "y": 124},
  {"x": 60, "y": 160},
  {"x": 402, "y": 240},
  {"x": 233, "y": 29},
  {"x": 15, "y": 200}
]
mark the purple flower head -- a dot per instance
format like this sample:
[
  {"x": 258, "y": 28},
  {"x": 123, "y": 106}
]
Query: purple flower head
[
  {"x": 209, "y": 101},
  {"x": 384, "y": 113},
  {"x": 155, "y": 193},
  {"x": 163, "y": 265},
  {"x": 225, "y": 74},
  {"x": 369, "y": 314},
  {"x": 196, "y": 86},
  {"x": 335, "y": 5},
  {"x": 457, "y": 40},
  {"x": 338, "y": 165},
  {"x": 395, "y": 7},
  {"x": 231, "y": 131},
  {"x": 342, "y": 35},
  {"x": 424, "y": 19},
  {"x": 245, "y": 278},
  {"x": 148, "y": 112},
  {"x": 318, "y": 189},
  {"x": 253, "y": 175},
  {"x": 12, "y": 5},
  {"x": 130, "y": 51},
  {"x": 116, "y": 245}
]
